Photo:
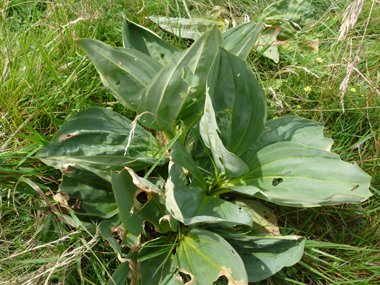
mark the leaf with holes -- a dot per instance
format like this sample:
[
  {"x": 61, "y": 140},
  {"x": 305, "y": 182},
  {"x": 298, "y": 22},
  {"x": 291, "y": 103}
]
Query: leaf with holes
[
  {"x": 264, "y": 256},
  {"x": 291, "y": 174},
  {"x": 127, "y": 187},
  {"x": 204, "y": 256},
  {"x": 182, "y": 202}
]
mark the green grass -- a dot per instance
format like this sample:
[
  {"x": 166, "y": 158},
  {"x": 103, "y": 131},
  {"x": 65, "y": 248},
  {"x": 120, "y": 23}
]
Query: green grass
[{"x": 45, "y": 78}]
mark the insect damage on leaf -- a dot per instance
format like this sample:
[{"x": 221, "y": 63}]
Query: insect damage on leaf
[
  {"x": 226, "y": 272},
  {"x": 66, "y": 137}
]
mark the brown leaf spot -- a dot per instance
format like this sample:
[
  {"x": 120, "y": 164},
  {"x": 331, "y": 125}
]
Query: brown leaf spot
[
  {"x": 119, "y": 63},
  {"x": 66, "y": 137}
]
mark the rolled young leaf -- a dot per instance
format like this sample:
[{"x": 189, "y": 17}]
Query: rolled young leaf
[
  {"x": 233, "y": 86},
  {"x": 177, "y": 91},
  {"x": 290, "y": 128},
  {"x": 205, "y": 256},
  {"x": 144, "y": 40},
  {"x": 241, "y": 39},
  {"x": 291, "y": 174},
  {"x": 124, "y": 72},
  {"x": 97, "y": 137}
]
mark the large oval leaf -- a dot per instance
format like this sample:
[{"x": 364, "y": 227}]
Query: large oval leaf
[
  {"x": 241, "y": 39},
  {"x": 97, "y": 137},
  {"x": 263, "y": 256},
  {"x": 144, "y": 40},
  {"x": 290, "y": 128},
  {"x": 233, "y": 86},
  {"x": 292, "y": 174},
  {"x": 177, "y": 91},
  {"x": 124, "y": 72},
  {"x": 205, "y": 256}
]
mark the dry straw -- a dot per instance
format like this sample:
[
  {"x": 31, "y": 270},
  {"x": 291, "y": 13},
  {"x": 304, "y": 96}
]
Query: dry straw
[{"x": 350, "y": 17}]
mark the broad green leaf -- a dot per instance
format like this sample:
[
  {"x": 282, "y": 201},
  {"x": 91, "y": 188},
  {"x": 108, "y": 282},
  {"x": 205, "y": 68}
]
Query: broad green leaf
[
  {"x": 153, "y": 264},
  {"x": 106, "y": 227},
  {"x": 97, "y": 138},
  {"x": 263, "y": 256},
  {"x": 291, "y": 128},
  {"x": 169, "y": 98},
  {"x": 126, "y": 188},
  {"x": 183, "y": 158},
  {"x": 233, "y": 86},
  {"x": 144, "y": 40},
  {"x": 94, "y": 192},
  {"x": 191, "y": 205},
  {"x": 205, "y": 256},
  {"x": 227, "y": 163},
  {"x": 264, "y": 220},
  {"x": 125, "y": 195},
  {"x": 241, "y": 39},
  {"x": 124, "y": 72},
  {"x": 86, "y": 186},
  {"x": 291, "y": 174},
  {"x": 187, "y": 28}
]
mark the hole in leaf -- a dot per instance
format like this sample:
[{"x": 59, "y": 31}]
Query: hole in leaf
[
  {"x": 355, "y": 187},
  {"x": 233, "y": 252},
  {"x": 185, "y": 277},
  {"x": 240, "y": 209},
  {"x": 117, "y": 82},
  {"x": 142, "y": 197},
  {"x": 277, "y": 181},
  {"x": 162, "y": 55},
  {"x": 222, "y": 280}
]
